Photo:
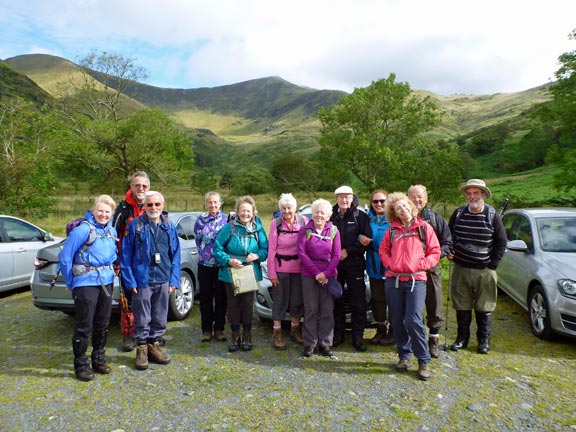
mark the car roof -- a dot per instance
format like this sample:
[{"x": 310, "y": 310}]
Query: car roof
[
  {"x": 175, "y": 215},
  {"x": 546, "y": 212}
]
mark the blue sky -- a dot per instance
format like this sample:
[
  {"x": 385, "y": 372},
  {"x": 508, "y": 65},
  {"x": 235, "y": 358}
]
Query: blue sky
[{"x": 444, "y": 46}]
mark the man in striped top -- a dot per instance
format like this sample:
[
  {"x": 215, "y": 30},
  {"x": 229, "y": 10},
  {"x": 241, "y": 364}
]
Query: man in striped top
[{"x": 479, "y": 242}]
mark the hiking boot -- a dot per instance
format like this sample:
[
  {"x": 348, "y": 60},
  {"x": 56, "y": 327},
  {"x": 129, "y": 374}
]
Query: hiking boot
[
  {"x": 308, "y": 351},
  {"x": 128, "y": 343},
  {"x": 424, "y": 371},
  {"x": 81, "y": 367},
  {"x": 278, "y": 340},
  {"x": 99, "y": 362},
  {"x": 246, "y": 340},
  {"x": 403, "y": 365},
  {"x": 206, "y": 336},
  {"x": 141, "y": 357},
  {"x": 338, "y": 339},
  {"x": 235, "y": 345},
  {"x": 156, "y": 355},
  {"x": 219, "y": 336},
  {"x": 296, "y": 334},
  {"x": 380, "y": 333},
  {"x": 463, "y": 318},
  {"x": 388, "y": 339},
  {"x": 358, "y": 343},
  {"x": 325, "y": 351},
  {"x": 434, "y": 345},
  {"x": 84, "y": 374}
]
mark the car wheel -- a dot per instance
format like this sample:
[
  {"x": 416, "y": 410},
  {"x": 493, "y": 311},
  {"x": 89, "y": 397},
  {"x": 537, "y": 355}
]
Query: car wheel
[
  {"x": 539, "y": 314},
  {"x": 182, "y": 299}
]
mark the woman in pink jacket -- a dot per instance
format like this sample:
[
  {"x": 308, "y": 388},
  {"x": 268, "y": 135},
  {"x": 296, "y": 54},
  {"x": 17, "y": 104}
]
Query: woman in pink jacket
[
  {"x": 284, "y": 270},
  {"x": 408, "y": 249}
]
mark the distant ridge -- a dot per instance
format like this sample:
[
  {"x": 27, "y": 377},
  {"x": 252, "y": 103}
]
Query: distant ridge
[{"x": 16, "y": 84}]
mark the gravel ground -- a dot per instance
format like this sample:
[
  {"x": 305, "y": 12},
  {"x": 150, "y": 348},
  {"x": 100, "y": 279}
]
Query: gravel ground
[{"x": 524, "y": 384}]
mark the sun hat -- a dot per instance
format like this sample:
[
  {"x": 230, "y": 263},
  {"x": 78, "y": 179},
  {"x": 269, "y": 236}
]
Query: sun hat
[
  {"x": 347, "y": 190},
  {"x": 477, "y": 183}
]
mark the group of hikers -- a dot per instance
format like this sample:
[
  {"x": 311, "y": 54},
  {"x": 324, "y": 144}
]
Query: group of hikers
[{"x": 399, "y": 243}]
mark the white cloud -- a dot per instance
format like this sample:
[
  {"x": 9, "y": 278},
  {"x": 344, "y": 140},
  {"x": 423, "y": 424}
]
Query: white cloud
[{"x": 446, "y": 46}]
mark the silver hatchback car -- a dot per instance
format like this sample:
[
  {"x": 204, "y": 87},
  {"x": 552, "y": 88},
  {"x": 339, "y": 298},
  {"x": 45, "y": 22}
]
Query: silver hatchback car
[
  {"x": 54, "y": 296},
  {"x": 538, "y": 269}
]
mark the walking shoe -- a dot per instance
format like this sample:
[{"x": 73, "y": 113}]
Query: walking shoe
[
  {"x": 156, "y": 355},
  {"x": 424, "y": 371},
  {"x": 389, "y": 338},
  {"x": 128, "y": 344},
  {"x": 326, "y": 351},
  {"x": 141, "y": 357},
  {"x": 338, "y": 339},
  {"x": 296, "y": 334},
  {"x": 84, "y": 374},
  {"x": 236, "y": 342},
  {"x": 101, "y": 368},
  {"x": 206, "y": 336},
  {"x": 459, "y": 344},
  {"x": 403, "y": 365},
  {"x": 278, "y": 340},
  {"x": 434, "y": 345},
  {"x": 380, "y": 334},
  {"x": 219, "y": 336},
  {"x": 483, "y": 347},
  {"x": 308, "y": 351},
  {"x": 246, "y": 340},
  {"x": 359, "y": 344}
]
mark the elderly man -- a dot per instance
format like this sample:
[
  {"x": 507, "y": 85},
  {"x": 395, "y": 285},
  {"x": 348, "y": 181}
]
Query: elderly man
[
  {"x": 479, "y": 243},
  {"x": 130, "y": 207},
  {"x": 351, "y": 223},
  {"x": 150, "y": 265},
  {"x": 419, "y": 196}
]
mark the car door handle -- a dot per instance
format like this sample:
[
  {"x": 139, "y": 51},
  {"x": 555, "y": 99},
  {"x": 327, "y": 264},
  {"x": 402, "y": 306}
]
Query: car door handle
[{"x": 20, "y": 250}]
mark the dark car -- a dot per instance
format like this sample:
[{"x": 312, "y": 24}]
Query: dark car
[
  {"x": 57, "y": 297},
  {"x": 19, "y": 242},
  {"x": 538, "y": 269}
]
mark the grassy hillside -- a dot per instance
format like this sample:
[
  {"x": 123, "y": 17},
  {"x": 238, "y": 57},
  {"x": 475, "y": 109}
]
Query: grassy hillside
[{"x": 16, "y": 84}]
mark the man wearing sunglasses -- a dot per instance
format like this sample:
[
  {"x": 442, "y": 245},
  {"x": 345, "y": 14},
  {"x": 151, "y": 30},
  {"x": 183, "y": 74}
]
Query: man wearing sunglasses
[
  {"x": 434, "y": 315},
  {"x": 150, "y": 267}
]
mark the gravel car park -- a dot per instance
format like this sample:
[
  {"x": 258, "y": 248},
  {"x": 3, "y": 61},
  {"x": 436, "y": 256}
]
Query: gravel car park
[
  {"x": 19, "y": 242},
  {"x": 50, "y": 294},
  {"x": 538, "y": 269}
]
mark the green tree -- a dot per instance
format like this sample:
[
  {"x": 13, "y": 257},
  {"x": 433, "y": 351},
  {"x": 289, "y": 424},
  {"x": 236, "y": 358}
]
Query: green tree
[
  {"x": 563, "y": 111},
  {"x": 378, "y": 134},
  {"x": 291, "y": 173}
]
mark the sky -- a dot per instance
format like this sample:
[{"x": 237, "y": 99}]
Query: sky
[{"x": 444, "y": 46}]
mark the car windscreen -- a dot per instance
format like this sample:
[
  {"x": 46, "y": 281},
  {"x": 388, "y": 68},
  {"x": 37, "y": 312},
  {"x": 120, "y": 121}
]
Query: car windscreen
[{"x": 557, "y": 234}]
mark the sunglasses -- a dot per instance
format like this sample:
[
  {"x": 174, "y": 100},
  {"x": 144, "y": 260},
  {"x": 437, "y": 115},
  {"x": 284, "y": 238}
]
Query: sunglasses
[
  {"x": 157, "y": 204},
  {"x": 381, "y": 201}
]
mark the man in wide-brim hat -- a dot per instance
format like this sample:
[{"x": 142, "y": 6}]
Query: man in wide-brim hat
[{"x": 479, "y": 242}]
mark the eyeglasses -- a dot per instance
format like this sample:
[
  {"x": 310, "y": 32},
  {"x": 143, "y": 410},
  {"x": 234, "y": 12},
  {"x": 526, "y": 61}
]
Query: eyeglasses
[
  {"x": 157, "y": 204},
  {"x": 141, "y": 186},
  {"x": 381, "y": 201}
]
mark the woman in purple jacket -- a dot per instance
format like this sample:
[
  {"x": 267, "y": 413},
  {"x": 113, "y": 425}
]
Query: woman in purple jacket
[{"x": 319, "y": 252}]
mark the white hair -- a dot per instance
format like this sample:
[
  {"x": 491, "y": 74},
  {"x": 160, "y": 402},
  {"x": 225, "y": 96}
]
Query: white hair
[{"x": 287, "y": 199}]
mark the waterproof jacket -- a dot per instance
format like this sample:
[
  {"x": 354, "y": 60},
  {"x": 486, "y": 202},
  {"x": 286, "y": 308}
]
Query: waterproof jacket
[
  {"x": 238, "y": 242},
  {"x": 353, "y": 223},
  {"x": 379, "y": 226},
  {"x": 283, "y": 248},
  {"x": 206, "y": 229},
  {"x": 441, "y": 229},
  {"x": 98, "y": 259},
  {"x": 406, "y": 258},
  {"x": 125, "y": 212},
  {"x": 319, "y": 252},
  {"x": 137, "y": 255}
]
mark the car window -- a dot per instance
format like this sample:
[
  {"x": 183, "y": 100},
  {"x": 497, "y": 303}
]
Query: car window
[
  {"x": 558, "y": 234},
  {"x": 525, "y": 232},
  {"x": 510, "y": 226},
  {"x": 185, "y": 228},
  {"x": 18, "y": 231}
]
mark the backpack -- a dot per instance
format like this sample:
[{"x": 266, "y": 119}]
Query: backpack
[
  {"x": 232, "y": 229},
  {"x": 279, "y": 229},
  {"x": 491, "y": 214},
  {"x": 92, "y": 236},
  {"x": 421, "y": 233}
]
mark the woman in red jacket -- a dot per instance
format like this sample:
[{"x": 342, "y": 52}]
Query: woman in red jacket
[{"x": 408, "y": 249}]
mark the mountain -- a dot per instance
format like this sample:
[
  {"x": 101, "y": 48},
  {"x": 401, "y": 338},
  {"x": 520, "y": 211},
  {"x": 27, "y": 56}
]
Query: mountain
[{"x": 14, "y": 83}]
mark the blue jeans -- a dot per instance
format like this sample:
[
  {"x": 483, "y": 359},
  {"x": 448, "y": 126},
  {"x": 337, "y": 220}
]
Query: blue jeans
[{"x": 405, "y": 305}]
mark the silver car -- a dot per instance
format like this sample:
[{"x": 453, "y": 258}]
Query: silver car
[
  {"x": 539, "y": 268},
  {"x": 48, "y": 296},
  {"x": 19, "y": 242}
]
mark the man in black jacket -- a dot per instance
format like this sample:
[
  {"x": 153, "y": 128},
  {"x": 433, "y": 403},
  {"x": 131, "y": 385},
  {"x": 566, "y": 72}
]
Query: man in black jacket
[
  {"x": 434, "y": 315},
  {"x": 351, "y": 223}
]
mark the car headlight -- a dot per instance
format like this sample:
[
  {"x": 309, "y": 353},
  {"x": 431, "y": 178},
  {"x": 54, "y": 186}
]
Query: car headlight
[{"x": 567, "y": 287}]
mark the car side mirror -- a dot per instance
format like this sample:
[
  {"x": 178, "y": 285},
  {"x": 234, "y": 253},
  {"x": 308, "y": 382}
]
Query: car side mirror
[
  {"x": 47, "y": 237},
  {"x": 517, "y": 245}
]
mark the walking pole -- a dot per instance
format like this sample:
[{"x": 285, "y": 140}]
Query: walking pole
[{"x": 447, "y": 306}]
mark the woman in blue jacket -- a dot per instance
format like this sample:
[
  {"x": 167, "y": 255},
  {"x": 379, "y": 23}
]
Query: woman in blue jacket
[
  {"x": 242, "y": 240},
  {"x": 87, "y": 264}
]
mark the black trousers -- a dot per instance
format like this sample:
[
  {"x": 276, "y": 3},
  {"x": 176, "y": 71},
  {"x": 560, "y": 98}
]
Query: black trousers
[
  {"x": 213, "y": 299},
  {"x": 93, "y": 309},
  {"x": 354, "y": 279}
]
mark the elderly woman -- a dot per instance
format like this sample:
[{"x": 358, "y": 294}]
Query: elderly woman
[
  {"x": 409, "y": 248},
  {"x": 242, "y": 240},
  {"x": 213, "y": 300},
  {"x": 284, "y": 270},
  {"x": 87, "y": 263},
  {"x": 319, "y": 251}
]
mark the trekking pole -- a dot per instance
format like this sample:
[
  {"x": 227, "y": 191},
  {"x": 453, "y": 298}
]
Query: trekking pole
[{"x": 447, "y": 306}]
